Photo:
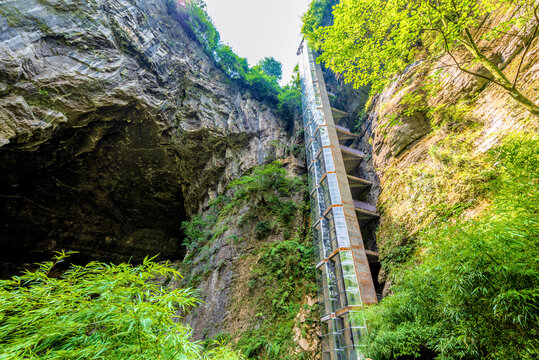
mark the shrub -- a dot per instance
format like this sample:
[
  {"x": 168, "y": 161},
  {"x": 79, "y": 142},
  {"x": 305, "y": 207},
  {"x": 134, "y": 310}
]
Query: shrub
[
  {"x": 271, "y": 67},
  {"x": 98, "y": 311},
  {"x": 283, "y": 274},
  {"x": 263, "y": 229},
  {"x": 473, "y": 290},
  {"x": 318, "y": 15},
  {"x": 262, "y": 86},
  {"x": 195, "y": 231},
  {"x": 290, "y": 101}
]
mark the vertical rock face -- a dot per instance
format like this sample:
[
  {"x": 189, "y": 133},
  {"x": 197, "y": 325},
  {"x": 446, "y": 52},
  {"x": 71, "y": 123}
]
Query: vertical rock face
[
  {"x": 427, "y": 151},
  {"x": 114, "y": 126},
  {"x": 403, "y": 123}
]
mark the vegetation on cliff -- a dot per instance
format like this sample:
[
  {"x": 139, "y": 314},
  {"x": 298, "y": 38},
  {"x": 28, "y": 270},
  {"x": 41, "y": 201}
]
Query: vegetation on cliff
[
  {"x": 318, "y": 15},
  {"x": 261, "y": 79},
  {"x": 459, "y": 233},
  {"x": 470, "y": 290},
  {"x": 99, "y": 311},
  {"x": 271, "y": 67},
  {"x": 274, "y": 220}
]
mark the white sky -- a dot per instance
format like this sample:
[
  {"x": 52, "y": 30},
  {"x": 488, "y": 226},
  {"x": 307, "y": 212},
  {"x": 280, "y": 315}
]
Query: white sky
[{"x": 259, "y": 28}]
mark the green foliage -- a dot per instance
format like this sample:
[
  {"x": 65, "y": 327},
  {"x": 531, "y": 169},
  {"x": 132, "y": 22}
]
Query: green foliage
[
  {"x": 202, "y": 26},
  {"x": 261, "y": 80},
  {"x": 271, "y": 67},
  {"x": 263, "y": 229},
  {"x": 267, "y": 191},
  {"x": 441, "y": 188},
  {"x": 266, "y": 186},
  {"x": 98, "y": 311},
  {"x": 218, "y": 350},
  {"x": 262, "y": 86},
  {"x": 207, "y": 35},
  {"x": 197, "y": 231},
  {"x": 280, "y": 266},
  {"x": 319, "y": 14},
  {"x": 290, "y": 100},
  {"x": 272, "y": 343},
  {"x": 233, "y": 65},
  {"x": 371, "y": 41},
  {"x": 472, "y": 292},
  {"x": 283, "y": 272}
]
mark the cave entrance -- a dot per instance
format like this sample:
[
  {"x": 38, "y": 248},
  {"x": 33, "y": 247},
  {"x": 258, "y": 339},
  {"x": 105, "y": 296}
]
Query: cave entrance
[{"x": 111, "y": 191}]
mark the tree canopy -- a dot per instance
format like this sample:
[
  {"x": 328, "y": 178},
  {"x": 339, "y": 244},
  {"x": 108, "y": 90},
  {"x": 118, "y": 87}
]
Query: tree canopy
[
  {"x": 271, "y": 67},
  {"x": 318, "y": 15},
  {"x": 371, "y": 41}
]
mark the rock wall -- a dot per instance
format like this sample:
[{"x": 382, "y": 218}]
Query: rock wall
[
  {"x": 114, "y": 127},
  {"x": 428, "y": 132},
  {"x": 250, "y": 259}
]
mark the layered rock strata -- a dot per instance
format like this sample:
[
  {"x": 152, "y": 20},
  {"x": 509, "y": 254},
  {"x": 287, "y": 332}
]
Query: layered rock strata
[{"x": 114, "y": 127}]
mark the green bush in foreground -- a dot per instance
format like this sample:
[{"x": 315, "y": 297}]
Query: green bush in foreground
[
  {"x": 473, "y": 290},
  {"x": 98, "y": 311}
]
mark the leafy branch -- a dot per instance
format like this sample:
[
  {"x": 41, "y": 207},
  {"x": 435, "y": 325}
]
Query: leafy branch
[{"x": 371, "y": 41}]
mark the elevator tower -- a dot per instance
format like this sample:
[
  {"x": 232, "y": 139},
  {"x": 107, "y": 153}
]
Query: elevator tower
[{"x": 344, "y": 278}]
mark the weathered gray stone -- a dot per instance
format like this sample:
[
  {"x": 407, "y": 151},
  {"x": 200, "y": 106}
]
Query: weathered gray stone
[{"x": 114, "y": 125}]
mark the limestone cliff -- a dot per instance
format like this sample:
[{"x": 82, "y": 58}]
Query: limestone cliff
[
  {"x": 428, "y": 134},
  {"x": 114, "y": 127}
]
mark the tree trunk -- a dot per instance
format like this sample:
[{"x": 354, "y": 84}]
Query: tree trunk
[{"x": 499, "y": 76}]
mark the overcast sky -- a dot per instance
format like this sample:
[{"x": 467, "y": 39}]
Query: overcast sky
[{"x": 259, "y": 28}]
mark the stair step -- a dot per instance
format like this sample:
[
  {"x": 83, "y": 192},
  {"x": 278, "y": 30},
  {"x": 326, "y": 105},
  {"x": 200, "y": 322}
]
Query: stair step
[
  {"x": 371, "y": 253},
  {"x": 365, "y": 210},
  {"x": 345, "y": 134},
  {"x": 338, "y": 113},
  {"x": 352, "y": 153},
  {"x": 356, "y": 182}
]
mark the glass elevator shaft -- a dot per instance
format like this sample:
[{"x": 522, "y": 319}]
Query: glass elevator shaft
[{"x": 344, "y": 278}]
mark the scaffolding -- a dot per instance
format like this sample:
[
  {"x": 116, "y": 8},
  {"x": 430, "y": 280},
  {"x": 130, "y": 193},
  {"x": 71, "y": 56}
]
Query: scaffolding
[{"x": 344, "y": 278}]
